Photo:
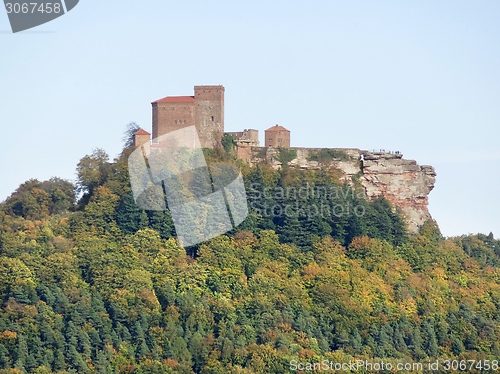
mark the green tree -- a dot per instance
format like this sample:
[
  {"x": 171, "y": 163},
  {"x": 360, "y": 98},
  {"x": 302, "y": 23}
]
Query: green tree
[
  {"x": 431, "y": 347},
  {"x": 21, "y": 353},
  {"x": 228, "y": 143},
  {"x": 92, "y": 171},
  {"x": 4, "y": 357}
]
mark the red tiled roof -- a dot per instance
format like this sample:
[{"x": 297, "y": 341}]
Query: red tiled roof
[
  {"x": 176, "y": 99},
  {"x": 279, "y": 128},
  {"x": 142, "y": 132}
]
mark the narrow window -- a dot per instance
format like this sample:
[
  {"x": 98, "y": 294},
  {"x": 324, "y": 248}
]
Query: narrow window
[
  {"x": 212, "y": 118},
  {"x": 184, "y": 121}
]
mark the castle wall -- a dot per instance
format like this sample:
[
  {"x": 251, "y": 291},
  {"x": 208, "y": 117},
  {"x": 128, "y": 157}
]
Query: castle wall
[
  {"x": 236, "y": 134},
  {"x": 249, "y": 135},
  {"x": 244, "y": 152},
  {"x": 252, "y": 135},
  {"x": 171, "y": 116}
]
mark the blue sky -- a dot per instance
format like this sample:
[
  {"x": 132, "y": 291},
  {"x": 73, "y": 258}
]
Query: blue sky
[{"x": 420, "y": 77}]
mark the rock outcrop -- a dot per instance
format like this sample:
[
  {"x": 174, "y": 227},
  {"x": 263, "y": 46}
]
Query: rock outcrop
[{"x": 403, "y": 182}]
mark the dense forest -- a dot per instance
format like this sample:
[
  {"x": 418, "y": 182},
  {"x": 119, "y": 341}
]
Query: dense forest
[{"x": 91, "y": 284}]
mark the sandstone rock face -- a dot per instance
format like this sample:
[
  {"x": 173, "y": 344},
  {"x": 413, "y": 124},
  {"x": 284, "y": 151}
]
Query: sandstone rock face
[{"x": 403, "y": 182}]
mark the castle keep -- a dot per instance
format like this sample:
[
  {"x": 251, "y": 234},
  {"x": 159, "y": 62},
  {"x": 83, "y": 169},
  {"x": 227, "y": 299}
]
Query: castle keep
[{"x": 205, "y": 110}]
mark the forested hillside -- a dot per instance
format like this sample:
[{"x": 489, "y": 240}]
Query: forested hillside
[{"x": 91, "y": 284}]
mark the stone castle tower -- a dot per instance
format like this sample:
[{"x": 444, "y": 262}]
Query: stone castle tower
[{"x": 205, "y": 110}]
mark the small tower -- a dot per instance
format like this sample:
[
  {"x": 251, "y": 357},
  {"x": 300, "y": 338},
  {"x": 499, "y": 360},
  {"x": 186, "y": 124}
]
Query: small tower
[
  {"x": 277, "y": 136},
  {"x": 141, "y": 137}
]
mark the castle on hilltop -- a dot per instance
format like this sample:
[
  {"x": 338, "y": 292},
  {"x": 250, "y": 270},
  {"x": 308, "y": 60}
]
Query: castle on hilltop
[
  {"x": 205, "y": 110},
  {"x": 403, "y": 182}
]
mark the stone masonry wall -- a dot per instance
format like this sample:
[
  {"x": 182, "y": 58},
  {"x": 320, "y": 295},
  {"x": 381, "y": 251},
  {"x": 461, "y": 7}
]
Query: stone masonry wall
[
  {"x": 209, "y": 114},
  {"x": 168, "y": 117}
]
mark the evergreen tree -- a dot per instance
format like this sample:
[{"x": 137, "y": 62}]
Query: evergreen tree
[
  {"x": 471, "y": 338},
  {"x": 399, "y": 340},
  {"x": 442, "y": 329},
  {"x": 431, "y": 347},
  {"x": 59, "y": 362},
  {"x": 38, "y": 351},
  {"x": 142, "y": 349},
  {"x": 180, "y": 351},
  {"x": 356, "y": 341},
  {"x": 416, "y": 344},
  {"x": 60, "y": 341},
  {"x": 356, "y": 228},
  {"x": 4, "y": 357},
  {"x": 140, "y": 340},
  {"x": 102, "y": 364},
  {"x": 97, "y": 303},
  {"x": 128, "y": 216},
  {"x": 292, "y": 230},
  {"x": 84, "y": 345},
  {"x": 76, "y": 361},
  {"x": 117, "y": 313},
  {"x": 20, "y": 295},
  {"x": 342, "y": 339},
  {"x": 95, "y": 340},
  {"x": 162, "y": 222},
  {"x": 115, "y": 338},
  {"x": 21, "y": 353},
  {"x": 72, "y": 334},
  {"x": 77, "y": 318},
  {"x": 31, "y": 362},
  {"x": 61, "y": 302},
  {"x": 124, "y": 333},
  {"x": 457, "y": 347},
  {"x": 46, "y": 295},
  {"x": 46, "y": 333},
  {"x": 48, "y": 358}
]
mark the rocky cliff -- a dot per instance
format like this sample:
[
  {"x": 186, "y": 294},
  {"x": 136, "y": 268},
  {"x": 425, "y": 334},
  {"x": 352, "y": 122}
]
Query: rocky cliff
[{"x": 403, "y": 182}]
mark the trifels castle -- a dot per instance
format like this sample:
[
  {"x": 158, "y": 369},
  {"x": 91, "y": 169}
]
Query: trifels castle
[{"x": 403, "y": 182}]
